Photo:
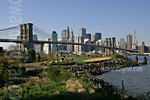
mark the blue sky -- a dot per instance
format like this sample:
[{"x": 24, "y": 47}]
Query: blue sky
[{"x": 110, "y": 17}]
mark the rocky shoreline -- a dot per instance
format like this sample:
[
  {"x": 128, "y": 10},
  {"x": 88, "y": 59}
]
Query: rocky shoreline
[{"x": 92, "y": 70}]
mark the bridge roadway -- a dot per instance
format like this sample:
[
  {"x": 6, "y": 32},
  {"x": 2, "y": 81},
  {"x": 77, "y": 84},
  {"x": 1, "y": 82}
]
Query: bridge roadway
[{"x": 69, "y": 43}]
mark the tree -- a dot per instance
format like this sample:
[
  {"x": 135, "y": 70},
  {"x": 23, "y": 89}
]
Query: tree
[
  {"x": 136, "y": 59},
  {"x": 39, "y": 57},
  {"x": 32, "y": 55}
]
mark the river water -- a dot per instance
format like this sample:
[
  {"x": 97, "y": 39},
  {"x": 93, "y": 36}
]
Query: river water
[{"x": 136, "y": 80}]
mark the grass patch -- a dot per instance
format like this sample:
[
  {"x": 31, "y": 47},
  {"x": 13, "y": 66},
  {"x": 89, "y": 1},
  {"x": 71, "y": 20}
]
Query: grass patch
[
  {"x": 84, "y": 57},
  {"x": 58, "y": 74},
  {"x": 33, "y": 92}
]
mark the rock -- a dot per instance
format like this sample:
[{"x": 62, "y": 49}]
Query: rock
[
  {"x": 13, "y": 87},
  {"x": 81, "y": 90},
  {"x": 73, "y": 85}
]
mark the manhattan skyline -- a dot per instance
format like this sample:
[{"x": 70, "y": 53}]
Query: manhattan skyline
[{"x": 112, "y": 18}]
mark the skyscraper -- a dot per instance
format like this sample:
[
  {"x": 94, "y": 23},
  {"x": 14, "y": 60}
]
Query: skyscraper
[
  {"x": 67, "y": 33},
  {"x": 123, "y": 44},
  {"x": 88, "y": 36},
  {"x": 71, "y": 47},
  {"x": 122, "y": 41},
  {"x": 96, "y": 37},
  {"x": 134, "y": 46},
  {"x": 71, "y": 35},
  {"x": 134, "y": 41},
  {"x": 63, "y": 35},
  {"x": 54, "y": 39},
  {"x": 82, "y": 32},
  {"x": 129, "y": 41}
]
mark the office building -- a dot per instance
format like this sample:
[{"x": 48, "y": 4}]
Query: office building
[
  {"x": 88, "y": 36},
  {"x": 54, "y": 49},
  {"x": 96, "y": 37}
]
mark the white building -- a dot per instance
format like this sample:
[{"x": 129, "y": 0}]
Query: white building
[
  {"x": 98, "y": 49},
  {"x": 47, "y": 47},
  {"x": 87, "y": 48}
]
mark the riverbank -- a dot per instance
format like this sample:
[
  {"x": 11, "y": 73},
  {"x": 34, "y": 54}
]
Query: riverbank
[
  {"x": 76, "y": 81},
  {"x": 136, "y": 79}
]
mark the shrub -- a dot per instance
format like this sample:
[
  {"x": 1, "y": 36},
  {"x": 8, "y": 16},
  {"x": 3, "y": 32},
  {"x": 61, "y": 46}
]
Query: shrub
[
  {"x": 119, "y": 56},
  {"x": 3, "y": 71},
  {"x": 136, "y": 59},
  {"x": 39, "y": 58},
  {"x": 63, "y": 63}
]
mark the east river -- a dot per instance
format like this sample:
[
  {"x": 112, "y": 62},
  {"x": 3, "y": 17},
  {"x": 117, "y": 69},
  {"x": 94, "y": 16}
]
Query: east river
[{"x": 136, "y": 80}]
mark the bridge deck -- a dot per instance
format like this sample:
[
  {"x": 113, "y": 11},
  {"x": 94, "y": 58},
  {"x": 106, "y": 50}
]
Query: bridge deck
[{"x": 69, "y": 43}]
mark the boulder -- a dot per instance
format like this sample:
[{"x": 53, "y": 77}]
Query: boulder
[{"x": 73, "y": 85}]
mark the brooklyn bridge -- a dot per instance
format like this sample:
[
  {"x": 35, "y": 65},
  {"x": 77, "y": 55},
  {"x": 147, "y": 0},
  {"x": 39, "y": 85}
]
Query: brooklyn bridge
[{"x": 26, "y": 40}]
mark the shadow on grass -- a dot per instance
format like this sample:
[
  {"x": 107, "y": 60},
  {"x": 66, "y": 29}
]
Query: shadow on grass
[{"x": 99, "y": 95}]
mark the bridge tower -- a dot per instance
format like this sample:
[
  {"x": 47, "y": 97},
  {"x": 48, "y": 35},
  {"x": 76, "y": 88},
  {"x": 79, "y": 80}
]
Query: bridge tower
[
  {"x": 26, "y": 34},
  {"x": 106, "y": 49},
  {"x": 110, "y": 42}
]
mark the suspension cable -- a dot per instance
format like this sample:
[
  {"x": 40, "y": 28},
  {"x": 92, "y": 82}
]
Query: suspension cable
[{"x": 9, "y": 28}]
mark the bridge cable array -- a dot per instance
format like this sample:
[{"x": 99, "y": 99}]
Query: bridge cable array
[{"x": 41, "y": 32}]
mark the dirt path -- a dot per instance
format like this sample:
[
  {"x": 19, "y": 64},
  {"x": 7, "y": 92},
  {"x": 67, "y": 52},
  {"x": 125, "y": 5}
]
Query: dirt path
[{"x": 97, "y": 59}]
